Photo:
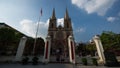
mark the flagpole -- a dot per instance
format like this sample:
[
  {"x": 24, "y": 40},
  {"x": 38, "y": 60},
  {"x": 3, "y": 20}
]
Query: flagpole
[{"x": 36, "y": 33}]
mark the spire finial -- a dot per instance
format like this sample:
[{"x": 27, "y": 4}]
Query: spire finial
[
  {"x": 53, "y": 14},
  {"x": 66, "y": 14}
]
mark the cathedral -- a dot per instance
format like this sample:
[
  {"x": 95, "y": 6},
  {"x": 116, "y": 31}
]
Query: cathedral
[{"x": 59, "y": 34}]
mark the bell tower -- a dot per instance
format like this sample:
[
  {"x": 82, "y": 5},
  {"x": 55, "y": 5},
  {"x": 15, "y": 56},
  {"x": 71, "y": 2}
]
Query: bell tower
[
  {"x": 67, "y": 25},
  {"x": 67, "y": 21},
  {"x": 52, "y": 25}
]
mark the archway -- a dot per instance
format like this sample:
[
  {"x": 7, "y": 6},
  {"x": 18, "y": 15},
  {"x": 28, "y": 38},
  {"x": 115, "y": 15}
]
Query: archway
[{"x": 61, "y": 51}]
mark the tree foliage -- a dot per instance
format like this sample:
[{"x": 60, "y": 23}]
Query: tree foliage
[
  {"x": 110, "y": 41},
  {"x": 6, "y": 35},
  {"x": 81, "y": 49},
  {"x": 91, "y": 48},
  {"x": 39, "y": 46},
  {"x": 9, "y": 40}
]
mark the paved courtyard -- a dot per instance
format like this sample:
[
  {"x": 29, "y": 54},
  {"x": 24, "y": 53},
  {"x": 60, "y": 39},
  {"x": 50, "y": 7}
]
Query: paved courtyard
[{"x": 51, "y": 65}]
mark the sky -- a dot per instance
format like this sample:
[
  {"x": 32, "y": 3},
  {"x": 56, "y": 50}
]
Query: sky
[{"x": 89, "y": 17}]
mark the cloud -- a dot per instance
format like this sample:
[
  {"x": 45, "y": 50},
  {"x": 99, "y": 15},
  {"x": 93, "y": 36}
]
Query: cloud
[
  {"x": 60, "y": 21},
  {"x": 112, "y": 19},
  {"x": 30, "y": 28},
  {"x": 80, "y": 30},
  {"x": 26, "y": 27},
  {"x": 94, "y": 6}
]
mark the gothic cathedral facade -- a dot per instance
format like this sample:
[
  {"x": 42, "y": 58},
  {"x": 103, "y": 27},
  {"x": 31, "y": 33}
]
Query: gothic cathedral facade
[{"x": 59, "y": 34}]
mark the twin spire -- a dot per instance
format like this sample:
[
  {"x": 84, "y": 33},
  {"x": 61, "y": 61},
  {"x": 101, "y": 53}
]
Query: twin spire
[
  {"x": 53, "y": 14},
  {"x": 65, "y": 17}
]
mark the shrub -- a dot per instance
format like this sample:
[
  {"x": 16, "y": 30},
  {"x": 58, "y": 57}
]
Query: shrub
[
  {"x": 25, "y": 60},
  {"x": 84, "y": 61},
  {"x": 94, "y": 60},
  {"x": 35, "y": 60},
  {"x": 111, "y": 60}
]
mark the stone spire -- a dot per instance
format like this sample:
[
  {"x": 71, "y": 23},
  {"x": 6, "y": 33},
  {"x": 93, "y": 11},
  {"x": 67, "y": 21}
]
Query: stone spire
[
  {"x": 53, "y": 14},
  {"x": 66, "y": 15}
]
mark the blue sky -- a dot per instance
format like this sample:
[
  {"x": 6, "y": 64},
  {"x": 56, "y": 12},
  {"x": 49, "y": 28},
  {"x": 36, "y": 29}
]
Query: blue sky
[{"x": 89, "y": 17}]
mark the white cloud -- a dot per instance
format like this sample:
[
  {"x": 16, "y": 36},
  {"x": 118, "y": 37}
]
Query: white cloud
[
  {"x": 60, "y": 21},
  {"x": 30, "y": 28},
  {"x": 26, "y": 27},
  {"x": 80, "y": 30},
  {"x": 94, "y": 6},
  {"x": 114, "y": 18},
  {"x": 111, "y": 19}
]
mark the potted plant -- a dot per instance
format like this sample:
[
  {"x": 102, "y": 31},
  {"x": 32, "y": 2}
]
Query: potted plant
[
  {"x": 94, "y": 60},
  {"x": 35, "y": 60},
  {"x": 25, "y": 60},
  {"x": 84, "y": 61}
]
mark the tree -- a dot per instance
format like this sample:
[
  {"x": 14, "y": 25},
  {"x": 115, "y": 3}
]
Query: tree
[
  {"x": 91, "y": 48},
  {"x": 9, "y": 40},
  {"x": 39, "y": 46},
  {"x": 29, "y": 46},
  {"x": 110, "y": 41},
  {"x": 7, "y": 37},
  {"x": 81, "y": 49}
]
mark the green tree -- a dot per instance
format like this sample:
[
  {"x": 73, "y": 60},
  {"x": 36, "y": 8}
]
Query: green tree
[
  {"x": 81, "y": 49},
  {"x": 7, "y": 37},
  {"x": 39, "y": 46},
  {"x": 91, "y": 48},
  {"x": 9, "y": 40},
  {"x": 29, "y": 46},
  {"x": 110, "y": 40}
]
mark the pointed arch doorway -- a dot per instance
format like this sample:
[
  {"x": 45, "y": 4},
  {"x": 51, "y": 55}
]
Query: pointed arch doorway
[{"x": 62, "y": 52}]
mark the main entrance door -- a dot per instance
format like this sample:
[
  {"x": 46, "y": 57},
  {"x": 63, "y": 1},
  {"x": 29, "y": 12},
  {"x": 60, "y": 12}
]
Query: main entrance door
[{"x": 59, "y": 53}]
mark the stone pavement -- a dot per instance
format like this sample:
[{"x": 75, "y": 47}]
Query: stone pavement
[{"x": 51, "y": 65}]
